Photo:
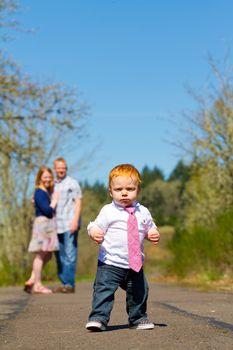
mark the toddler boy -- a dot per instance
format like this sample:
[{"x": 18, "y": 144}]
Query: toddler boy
[{"x": 120, "y": 229}]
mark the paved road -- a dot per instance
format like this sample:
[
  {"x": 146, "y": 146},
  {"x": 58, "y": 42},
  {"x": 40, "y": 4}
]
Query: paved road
[{"x": 184, "y": 319}]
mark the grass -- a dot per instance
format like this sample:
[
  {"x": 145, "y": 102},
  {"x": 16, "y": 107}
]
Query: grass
[{"x": 158, "y": 257}]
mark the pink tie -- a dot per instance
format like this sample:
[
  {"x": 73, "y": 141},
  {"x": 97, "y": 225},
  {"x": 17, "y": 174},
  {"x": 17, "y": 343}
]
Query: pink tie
[{"x": 134, "y": 249}]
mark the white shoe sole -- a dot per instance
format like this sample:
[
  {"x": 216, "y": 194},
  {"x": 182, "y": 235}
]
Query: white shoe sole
[
  {"x": 143, "y": 326},
  {"x": 95, "y": 326}
]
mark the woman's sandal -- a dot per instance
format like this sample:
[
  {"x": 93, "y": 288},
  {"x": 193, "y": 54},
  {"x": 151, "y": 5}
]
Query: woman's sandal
[{"x": 42, "y": 290}]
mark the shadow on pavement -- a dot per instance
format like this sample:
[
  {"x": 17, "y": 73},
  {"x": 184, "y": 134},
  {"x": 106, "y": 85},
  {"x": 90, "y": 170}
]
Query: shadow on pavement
[{"x": 125, "y": 326}]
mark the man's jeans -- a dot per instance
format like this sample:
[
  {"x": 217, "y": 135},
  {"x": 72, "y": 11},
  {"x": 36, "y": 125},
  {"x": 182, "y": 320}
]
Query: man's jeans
[
  {"x": 108, "y": 279},
  {"x": 67, "y": 257}
]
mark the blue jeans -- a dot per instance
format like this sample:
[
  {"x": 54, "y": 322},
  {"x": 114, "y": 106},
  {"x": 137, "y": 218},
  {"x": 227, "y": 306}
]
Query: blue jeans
[
  {"x": 67, "y": 257},
  {"x": 108, "y": 279}
]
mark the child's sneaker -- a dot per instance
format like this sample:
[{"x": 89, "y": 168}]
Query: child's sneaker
[
  {"x": 95, "y": 326},
  {"x": 143, "y": 324}
]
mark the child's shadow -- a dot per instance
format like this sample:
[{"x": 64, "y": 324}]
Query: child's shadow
[{"x": 125, "y": 326}]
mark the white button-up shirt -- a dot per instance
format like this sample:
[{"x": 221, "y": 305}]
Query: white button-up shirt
[
  {"x": 68, "y": 189},
  {"x": 112, "y": 219}
]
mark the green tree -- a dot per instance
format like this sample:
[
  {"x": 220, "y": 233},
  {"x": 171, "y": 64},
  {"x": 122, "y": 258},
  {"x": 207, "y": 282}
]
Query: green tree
[
  {"x": 210, "y": 188},
  {"x": 181, "y": 172},
  {"x": 162, "y": 199},
  {"x": 150, "y": 175},
  {"x": 99, "y": 190},
  {"x": 36, "y": 120},
  {"x": 202, "y": 244}
]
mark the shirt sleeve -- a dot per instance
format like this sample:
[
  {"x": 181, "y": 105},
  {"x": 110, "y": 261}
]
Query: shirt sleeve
[
  {"x": 77, "y": 191},
  {"x": 101, "y": 221},
  {"x": 149, "y": 221},
  {"x": 42, "y": 202}
]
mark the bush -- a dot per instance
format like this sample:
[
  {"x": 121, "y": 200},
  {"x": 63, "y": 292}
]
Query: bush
[{"x": 204, "y": 250}]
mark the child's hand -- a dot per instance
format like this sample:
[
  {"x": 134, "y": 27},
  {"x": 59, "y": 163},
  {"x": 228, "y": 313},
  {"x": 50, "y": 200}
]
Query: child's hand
[
  {"x": 97, "y": 235},
  {"x": 153, "y": 236}
]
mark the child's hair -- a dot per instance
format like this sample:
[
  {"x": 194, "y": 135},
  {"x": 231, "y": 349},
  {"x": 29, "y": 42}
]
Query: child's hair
[
  {"x": 124, "y": 170},
  {"x": 41, "y": 171}
]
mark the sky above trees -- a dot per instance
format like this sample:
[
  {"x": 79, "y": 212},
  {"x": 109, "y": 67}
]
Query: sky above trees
[{"x": 131, "y": 61}]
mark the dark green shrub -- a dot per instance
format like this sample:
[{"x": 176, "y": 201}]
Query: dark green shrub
[{"x": 205, "y": 249}]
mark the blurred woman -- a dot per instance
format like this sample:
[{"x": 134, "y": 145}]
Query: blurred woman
[{"x": 44, "y": 239}]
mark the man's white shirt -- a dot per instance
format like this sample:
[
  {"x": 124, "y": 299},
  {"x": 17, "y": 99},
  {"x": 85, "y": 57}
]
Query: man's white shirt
[{"x": 68, "y": 189}]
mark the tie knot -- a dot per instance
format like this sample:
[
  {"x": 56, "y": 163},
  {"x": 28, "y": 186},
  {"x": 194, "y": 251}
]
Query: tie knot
[{"x": 130, "y": 210}]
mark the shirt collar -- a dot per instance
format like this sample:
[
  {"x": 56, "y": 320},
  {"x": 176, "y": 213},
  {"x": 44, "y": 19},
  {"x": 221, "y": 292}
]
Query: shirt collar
[
  {"x": 135, "y": 204},
  {"x": 58, "y": 181}
]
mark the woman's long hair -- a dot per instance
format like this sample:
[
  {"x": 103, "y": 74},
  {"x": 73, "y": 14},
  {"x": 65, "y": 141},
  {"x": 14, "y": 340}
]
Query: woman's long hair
[{"x": 40, "y": 172}]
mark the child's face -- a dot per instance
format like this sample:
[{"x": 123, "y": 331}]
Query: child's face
[{"x": 124, "y": 190}]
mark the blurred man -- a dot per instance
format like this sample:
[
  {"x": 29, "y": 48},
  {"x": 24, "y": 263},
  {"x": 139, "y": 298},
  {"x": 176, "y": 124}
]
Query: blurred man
[{"x": 68, "y": 215}]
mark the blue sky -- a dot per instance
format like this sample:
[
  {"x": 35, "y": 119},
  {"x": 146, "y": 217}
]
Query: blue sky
[{"x": 131, "y": 59}]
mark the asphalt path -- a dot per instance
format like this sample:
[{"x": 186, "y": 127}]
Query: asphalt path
[{"x": 184, "y": 319}]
